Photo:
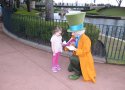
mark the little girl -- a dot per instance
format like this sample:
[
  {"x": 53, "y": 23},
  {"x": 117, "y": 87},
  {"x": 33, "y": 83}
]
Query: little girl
[{"x": 56, "y": 45}]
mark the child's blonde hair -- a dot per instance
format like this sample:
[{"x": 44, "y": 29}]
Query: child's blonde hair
[{"x": 56, "y": 29}]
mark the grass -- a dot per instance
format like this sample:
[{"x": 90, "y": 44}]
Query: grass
[
  {"x": 116, "y": 11},
  {"x": 93, "y": 12},
  {"x": 23, "y": 11},
  {"x": 121, "y": 62},
  {"x": 113, "y": 11}
]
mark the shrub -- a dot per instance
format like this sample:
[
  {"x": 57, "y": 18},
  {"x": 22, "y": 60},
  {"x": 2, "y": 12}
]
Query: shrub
[
  {"x": 93, "y": 32},
  {"x": 36, "y": 28}
]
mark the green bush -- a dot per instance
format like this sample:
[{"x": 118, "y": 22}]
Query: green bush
[
  {"x": 92, "y": 12},
  {"x": 37, "y": 28},
  {"x": 23, "y": 11},
  {"x": 93, "y": 32},
  {"x": 34, "y": 27}
]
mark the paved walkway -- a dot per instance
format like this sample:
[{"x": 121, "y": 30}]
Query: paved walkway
[{"x": 26, "y": 68}]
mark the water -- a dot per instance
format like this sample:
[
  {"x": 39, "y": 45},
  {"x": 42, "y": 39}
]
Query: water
[
  {"x": 105, "y": 24},
  {"x": 105, "y": 21},
  {"x": 96, "y": 20},
  {"x": 57, "y": 16}
]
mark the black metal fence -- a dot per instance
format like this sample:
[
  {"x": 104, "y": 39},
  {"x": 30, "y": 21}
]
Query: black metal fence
[
  {"x": 113, "y": 38},
  {"x": 110, "y": 45}
]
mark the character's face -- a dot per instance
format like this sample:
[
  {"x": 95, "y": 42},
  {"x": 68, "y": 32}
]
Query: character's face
[
  {"x": 58, "y": 33},
  {"x": 78, "y": 33},
  {"x": 75, "y": 34}
]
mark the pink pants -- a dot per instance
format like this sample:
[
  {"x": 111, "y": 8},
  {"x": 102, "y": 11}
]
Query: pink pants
[{"x": 55, "y": 59}]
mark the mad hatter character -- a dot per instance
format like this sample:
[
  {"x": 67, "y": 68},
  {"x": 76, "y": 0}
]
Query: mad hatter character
[{"x": 81, "y": 62}]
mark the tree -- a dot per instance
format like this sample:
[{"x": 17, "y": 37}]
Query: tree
[
  {"x": 8, "y": 3},
  {"x": 49, "y": 9},
  {"x": 18, "y": 3},
  {"x": 119, "y": 2},
  {"x": 28, "y": 5}
]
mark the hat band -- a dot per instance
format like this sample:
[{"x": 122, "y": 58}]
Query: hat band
[{"x": 76, "y": 27}]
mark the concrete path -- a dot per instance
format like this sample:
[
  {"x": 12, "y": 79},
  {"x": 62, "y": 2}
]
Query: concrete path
[{"x": 26, "y": 68}]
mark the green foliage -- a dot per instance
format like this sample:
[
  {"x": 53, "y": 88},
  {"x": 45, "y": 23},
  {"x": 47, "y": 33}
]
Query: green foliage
[
  {"x": 34, "y": 27},
  {"x": 120, "y": 62},
  {"x": 57, "y": 10},
  {"x": 23, "y": 11},
  {"x": 93, "y": 32},
  {"x": 92, "y": 12},
  {"x": 113, "y": 11}
]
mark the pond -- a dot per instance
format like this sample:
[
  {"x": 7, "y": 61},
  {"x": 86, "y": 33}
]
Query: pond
[
  {"x": 96, "y": 20},
  {"x": 107, "y": 27}
]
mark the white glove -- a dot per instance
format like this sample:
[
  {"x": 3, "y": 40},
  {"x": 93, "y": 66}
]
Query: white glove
[
  {"x": 64, "y": 42},
  {"x": 72, "y": 48}
]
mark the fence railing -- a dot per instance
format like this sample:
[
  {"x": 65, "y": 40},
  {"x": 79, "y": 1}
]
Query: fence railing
[
  {"x": 113, "y": 38},
  {"x": 111, "y": 41}
]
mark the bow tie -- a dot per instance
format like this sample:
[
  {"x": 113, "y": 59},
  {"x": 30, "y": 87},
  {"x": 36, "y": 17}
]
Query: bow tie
[{"x": 77, "y": 37}]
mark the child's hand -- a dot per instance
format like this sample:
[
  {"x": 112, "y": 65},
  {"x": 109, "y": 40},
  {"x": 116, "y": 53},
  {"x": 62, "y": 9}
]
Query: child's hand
[{"x": 64, "y": 43}]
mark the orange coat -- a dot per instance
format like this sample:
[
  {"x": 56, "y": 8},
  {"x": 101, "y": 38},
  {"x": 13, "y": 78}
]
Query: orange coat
[{"x": 86, "y": 60}]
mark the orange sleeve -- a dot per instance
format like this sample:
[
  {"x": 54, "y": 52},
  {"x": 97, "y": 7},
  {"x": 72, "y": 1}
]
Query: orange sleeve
[{"x": 84, "y": 48}]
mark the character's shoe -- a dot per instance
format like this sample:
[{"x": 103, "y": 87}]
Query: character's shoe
[
  {"x": 58, "y": 67},
  {"x": 74, "y": 77},
  {"x": 54, "y": 69}
]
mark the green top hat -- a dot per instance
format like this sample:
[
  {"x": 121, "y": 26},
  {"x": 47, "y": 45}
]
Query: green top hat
[{"x": 75, "y": 21}]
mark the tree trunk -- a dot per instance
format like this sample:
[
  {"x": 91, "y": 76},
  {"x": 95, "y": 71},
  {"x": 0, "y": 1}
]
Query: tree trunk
[
  {"x": 119, "y": 4},
  {"x": 28, "y": 5},
  {"x": 18, "y": 3},
  {"x": 49, "y": 9}
]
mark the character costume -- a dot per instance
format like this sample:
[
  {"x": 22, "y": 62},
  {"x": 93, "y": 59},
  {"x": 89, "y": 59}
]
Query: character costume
[{"x": 81, "y": 62}]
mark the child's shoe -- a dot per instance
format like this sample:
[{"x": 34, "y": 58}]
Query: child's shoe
[
  {"x": 54, "y": 69},
  {"x": 58, "y": 67}
]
